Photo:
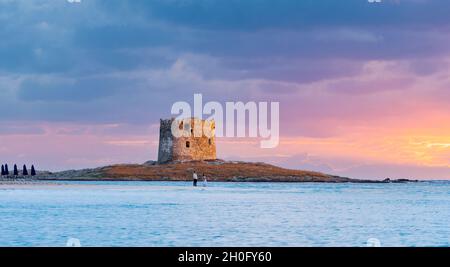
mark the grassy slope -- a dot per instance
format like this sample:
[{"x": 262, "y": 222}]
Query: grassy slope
[{"x": 215, "y": 171}]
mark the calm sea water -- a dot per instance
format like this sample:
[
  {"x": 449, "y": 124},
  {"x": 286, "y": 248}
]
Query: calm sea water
[{"x": 225, "y": 214}]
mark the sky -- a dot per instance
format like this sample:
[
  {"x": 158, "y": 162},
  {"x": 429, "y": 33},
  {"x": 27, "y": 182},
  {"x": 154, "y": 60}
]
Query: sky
[{"x": 364, "y": 88}]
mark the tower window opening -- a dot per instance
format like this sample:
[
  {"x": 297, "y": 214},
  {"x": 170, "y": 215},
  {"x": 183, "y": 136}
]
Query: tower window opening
[
  {"x": 209, "y": 141},
  {"x": 188, "y": 144}
]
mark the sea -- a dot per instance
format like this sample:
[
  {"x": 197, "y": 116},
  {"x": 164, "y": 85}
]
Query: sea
[{"x": 161, "y": 214}]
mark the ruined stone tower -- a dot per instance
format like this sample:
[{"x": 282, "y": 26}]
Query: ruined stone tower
[{"x": 173, "y": 148}]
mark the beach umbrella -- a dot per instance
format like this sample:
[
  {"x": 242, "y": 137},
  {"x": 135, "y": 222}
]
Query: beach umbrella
[
  {"x": 33, "y": 171},
  {"x": 24, "y": 171},
  {"x": 16, "y": 171}
]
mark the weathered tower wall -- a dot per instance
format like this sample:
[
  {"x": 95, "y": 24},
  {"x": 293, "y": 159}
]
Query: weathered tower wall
[
  {"x": 186, "y": 148},
  {"x": 165, "y": 141}
]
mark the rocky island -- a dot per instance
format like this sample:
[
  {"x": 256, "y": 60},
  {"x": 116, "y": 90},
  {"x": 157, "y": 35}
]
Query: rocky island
[
  {"x": 179, "y": 157},
  {"x": 215, "y": 170}
]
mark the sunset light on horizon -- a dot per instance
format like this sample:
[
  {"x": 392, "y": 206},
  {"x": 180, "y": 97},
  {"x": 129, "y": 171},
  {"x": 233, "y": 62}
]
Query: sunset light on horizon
[{"x": 363, "y": 94}]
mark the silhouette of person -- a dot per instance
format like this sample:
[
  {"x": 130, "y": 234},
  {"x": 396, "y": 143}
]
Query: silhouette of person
[{"x": 195, "y": 177}]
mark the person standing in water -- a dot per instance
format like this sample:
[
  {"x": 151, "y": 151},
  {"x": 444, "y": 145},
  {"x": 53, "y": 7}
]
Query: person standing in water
[
  {"x": 195, "y": 178},
  {"x": 205, "y": 181}
]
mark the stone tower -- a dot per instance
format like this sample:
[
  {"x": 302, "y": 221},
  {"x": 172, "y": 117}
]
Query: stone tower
[{"x": 190, "y": 148}]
